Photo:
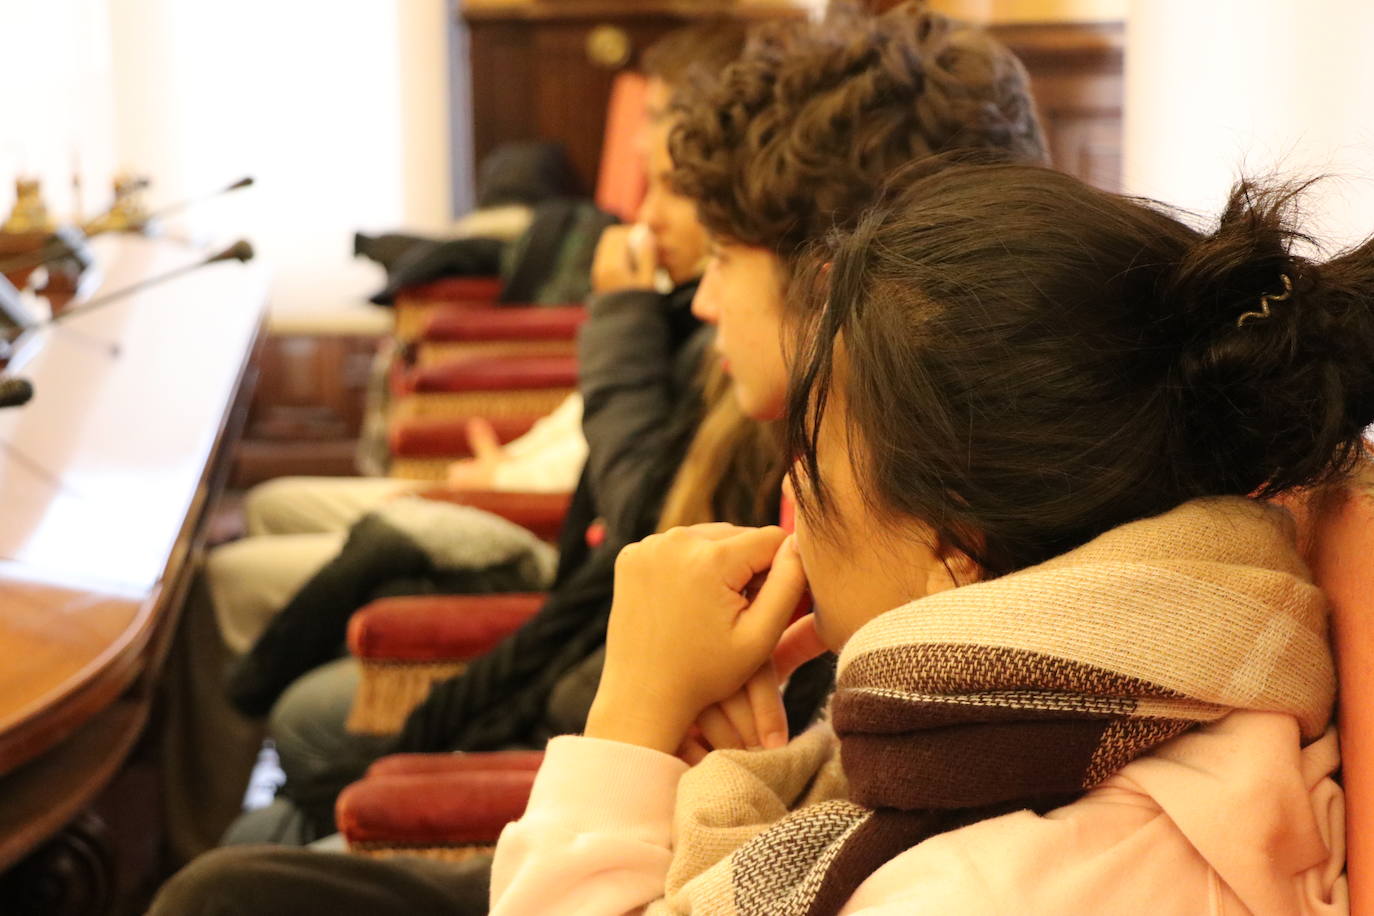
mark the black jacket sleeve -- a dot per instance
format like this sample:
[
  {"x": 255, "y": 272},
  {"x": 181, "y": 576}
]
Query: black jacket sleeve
[{"x": 631, "y": 356}]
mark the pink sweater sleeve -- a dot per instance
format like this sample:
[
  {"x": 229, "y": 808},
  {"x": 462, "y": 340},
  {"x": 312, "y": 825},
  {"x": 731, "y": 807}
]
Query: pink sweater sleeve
[{"x": 596, "y": 836}]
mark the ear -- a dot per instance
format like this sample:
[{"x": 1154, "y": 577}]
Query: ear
[{"x": 952, "y": 569}]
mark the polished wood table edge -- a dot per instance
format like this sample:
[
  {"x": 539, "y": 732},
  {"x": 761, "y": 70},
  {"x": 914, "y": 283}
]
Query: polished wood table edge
[
  {"x": 48, "y": 722},
  {"x": 40, "y": 798},
  {"x": 37, "y": 728},
  {"x": 212, "y": 481}
]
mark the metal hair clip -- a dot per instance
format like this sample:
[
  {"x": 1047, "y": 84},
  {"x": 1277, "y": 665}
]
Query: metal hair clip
[{"x": 1265, "y": 300}]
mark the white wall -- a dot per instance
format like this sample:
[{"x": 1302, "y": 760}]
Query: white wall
[
  {"x": 1221, "y": 87},
  {"x": 56, "y": 110},
  {"x": 339, "y": 111}
]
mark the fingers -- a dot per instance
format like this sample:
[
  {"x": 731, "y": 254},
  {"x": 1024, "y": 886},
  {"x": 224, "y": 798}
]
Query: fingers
[
  {"x": 748, "y": 553},
  {"x": 738, "y": 709},
  {"x": 482, "y": 440},
  {"x": 692, "y": 751},
  {"x": 799, "y": 644},
  {"x": 718, "y": 730},
  {"x": 712, "y": 531},
  {"x": 766, "y": 617},
  {"x": 765, "y": 707}
]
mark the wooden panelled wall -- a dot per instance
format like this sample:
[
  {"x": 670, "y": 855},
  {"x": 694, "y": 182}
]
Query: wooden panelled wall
[{"x": 533, "y": 77}]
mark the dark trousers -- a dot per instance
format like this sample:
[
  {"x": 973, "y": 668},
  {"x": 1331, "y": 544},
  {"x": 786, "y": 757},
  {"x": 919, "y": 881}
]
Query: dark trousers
[{"x": 282, "y": 881}]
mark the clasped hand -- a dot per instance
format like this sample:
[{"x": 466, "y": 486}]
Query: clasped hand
[{"x": 696, "y": 621}]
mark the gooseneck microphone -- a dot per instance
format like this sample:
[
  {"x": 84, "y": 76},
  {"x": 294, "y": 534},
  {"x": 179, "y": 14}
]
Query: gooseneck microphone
[
  {"x": 66, "y": 243},
  {"x": 15, "y": 391},
  {"x": 241, "y": 251},
  {"x": 244, "y": 182}
]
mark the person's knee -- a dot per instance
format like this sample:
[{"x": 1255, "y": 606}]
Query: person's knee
[
  {"x": 309, "y": 722},
  {"x": 223, "y": 882},
  {"x": 266, "y": 507},
  {"x": 227, "y": 569}
]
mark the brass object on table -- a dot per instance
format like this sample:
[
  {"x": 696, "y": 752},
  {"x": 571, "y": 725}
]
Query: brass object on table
[
  {"x": 127, "y": 213},
  {"x": 29, "y": 213}
]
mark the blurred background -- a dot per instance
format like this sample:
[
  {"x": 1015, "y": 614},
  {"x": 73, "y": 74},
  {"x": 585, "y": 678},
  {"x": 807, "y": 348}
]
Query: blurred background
[{"x": 372, "y": 115}]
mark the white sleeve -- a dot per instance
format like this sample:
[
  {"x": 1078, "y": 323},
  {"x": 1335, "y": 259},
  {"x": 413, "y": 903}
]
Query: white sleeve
[{"x": 548, "y": 458}]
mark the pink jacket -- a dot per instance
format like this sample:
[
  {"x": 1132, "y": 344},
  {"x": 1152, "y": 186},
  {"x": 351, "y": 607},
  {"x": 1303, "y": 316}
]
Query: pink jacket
[{"x": 1228, "y": 819}]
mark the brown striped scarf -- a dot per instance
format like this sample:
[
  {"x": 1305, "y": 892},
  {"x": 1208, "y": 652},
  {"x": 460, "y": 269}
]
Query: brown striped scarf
[{"x": 1020, "y": 692}]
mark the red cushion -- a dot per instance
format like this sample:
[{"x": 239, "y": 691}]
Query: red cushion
[
  {"x": 541, "y": 514},
  {"x": 447, "y": 437},
  {"x": 433, "y": 809},
  {"x": 432, "y": 628},
  {"x": 551, "y": 322},
  {"x": 495, "y": 373}
]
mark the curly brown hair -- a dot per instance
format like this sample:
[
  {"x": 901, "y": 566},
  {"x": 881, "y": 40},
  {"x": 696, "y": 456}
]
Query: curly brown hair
[{"x": 798, "y": 134}]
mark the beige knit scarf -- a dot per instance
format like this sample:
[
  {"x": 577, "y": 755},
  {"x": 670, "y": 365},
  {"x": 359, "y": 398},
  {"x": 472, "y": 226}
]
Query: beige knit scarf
[{"x": 1020, "y": 692}]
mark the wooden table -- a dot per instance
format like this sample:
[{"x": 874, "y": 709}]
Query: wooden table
[{"x": 104, "y": 479}]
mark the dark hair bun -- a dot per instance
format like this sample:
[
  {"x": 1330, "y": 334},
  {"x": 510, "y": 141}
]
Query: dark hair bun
[{"x": 1276, "y": 400}]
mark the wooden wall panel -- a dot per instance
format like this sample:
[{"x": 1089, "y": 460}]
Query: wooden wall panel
[
  {"x": 532, "y": 79},
  {"x": 1076, "y": 78}
]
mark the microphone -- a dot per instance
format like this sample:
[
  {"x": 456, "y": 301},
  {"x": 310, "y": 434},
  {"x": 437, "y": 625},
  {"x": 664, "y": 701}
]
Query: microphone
[
  {"x": 241, "y": 251},
  {"x": 245, "y": 182},
  {"x": 68, "y": 242},
  {"x": 15, "y": 391}
]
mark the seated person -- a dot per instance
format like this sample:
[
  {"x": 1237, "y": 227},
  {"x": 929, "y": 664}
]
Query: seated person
[{"x": 1082, "y": 669}]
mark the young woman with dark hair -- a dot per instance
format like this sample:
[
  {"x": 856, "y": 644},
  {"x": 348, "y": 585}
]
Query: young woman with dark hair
[{"x": 1083, "y": 667}]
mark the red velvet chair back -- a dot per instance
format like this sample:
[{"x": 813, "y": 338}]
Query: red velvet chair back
[{"x": 622, "y": 178}]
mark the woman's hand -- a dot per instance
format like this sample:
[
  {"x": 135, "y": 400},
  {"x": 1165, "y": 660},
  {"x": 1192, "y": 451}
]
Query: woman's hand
[
  {"x": 754, "y": 716},
  {"x": 688, "y": 629},
  {"x": 624, "y": 259},
  {"x": 477, "y": 472}
]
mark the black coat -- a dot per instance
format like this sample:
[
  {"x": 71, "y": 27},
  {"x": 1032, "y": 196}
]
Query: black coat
[{"x": 639, "y": 359}]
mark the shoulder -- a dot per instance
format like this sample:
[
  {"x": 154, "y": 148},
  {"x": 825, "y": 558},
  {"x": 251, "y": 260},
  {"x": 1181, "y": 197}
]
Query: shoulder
[{"x": 1149, "y": 839}]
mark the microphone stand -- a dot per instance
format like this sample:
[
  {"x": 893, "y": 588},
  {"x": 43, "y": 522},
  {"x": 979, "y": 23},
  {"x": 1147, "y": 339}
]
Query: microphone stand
[{"x": 241, "y": 251}]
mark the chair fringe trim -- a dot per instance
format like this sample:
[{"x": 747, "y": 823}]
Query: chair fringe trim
[
  {"x": 448, "y": 853},
  {"x": 388, "y": 690},
  {"x": 519, "y": 402},
  {"x": 419, "y": 468},
  {"x": 438, "y": 354}
]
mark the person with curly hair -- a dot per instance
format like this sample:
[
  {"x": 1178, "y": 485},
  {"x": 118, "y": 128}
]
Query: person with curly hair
[{"x": 799, "y": 135}]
